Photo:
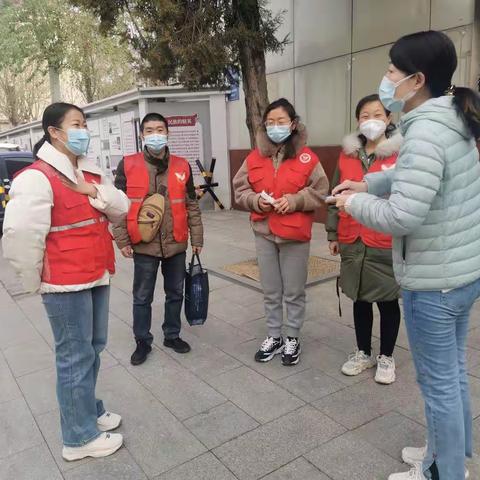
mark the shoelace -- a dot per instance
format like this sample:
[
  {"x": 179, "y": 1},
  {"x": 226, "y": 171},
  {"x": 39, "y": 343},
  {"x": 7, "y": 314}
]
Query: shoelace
[
  {"x": 267, "y": 344},
  {"x": 290, "y": 346},
  {"x": 358, "y": 355},
  {"x": 414, "y": 473},
  {"x": 384, "y": 362}
]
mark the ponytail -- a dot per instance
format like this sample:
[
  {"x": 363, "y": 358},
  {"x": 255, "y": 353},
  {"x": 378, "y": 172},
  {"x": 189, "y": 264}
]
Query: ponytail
[
  {"x": 39, "y": 144},
  {"x": 467, "y": 104}
]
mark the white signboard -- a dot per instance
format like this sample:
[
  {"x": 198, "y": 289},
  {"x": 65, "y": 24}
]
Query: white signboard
[
  {"x": 129, "y": 143},
  {"x": 185, "y": 139}
]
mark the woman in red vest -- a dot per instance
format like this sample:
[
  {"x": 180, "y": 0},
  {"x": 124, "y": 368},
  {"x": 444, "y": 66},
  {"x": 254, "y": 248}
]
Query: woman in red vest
[
  {"x": 56, "y": 236},
  {"x": 366, "y": 272},
  {"x": 281, "y": 182}
]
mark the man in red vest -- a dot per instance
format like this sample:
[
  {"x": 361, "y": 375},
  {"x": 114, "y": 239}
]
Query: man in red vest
[{"x": 156, "y": 170}]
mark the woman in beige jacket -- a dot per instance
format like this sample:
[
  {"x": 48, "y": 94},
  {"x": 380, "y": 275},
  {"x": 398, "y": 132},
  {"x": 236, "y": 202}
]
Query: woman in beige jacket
[
  {"x": 282, "y": 182},
  {"x": 56, "y": 236}
]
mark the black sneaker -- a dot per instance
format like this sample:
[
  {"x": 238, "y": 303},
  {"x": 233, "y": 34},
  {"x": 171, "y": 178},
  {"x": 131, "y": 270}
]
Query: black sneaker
[
  {"x": 270, "y": 347},
  {"x": 141, "y": 352},
  {"x": 291, "y": 352},
  {"x": 178, "y": 345}
]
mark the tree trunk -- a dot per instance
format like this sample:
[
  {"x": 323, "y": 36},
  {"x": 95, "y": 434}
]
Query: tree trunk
[
  {"x": 54, "y": 76},
  {"x": 252, "y": 64}
]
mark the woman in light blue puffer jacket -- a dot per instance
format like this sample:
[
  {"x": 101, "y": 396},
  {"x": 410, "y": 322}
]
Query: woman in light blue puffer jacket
[{"x": 433, "y": 212}]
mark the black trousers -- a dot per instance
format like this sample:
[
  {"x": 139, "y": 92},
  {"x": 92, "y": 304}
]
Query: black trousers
[
  {"x": 144, "y": 279},
  {"x": 389, "y": 325}
]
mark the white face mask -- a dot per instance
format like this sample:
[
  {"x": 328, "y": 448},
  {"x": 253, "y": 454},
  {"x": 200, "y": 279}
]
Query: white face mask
[{"x": 373, "y": 129}]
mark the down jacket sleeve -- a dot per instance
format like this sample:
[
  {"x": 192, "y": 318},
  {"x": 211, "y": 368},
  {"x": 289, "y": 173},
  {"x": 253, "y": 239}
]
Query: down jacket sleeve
[
  {"x": 380, "y": 183},
  {"x": 26, "y": 226},
  {"x": 416, "y": 180}
]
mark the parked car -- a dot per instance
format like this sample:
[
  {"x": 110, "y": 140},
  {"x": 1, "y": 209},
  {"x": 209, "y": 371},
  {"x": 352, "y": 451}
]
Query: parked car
[
  {"x": 9, "y": 147},
  {"x": 10, "y": 163}
]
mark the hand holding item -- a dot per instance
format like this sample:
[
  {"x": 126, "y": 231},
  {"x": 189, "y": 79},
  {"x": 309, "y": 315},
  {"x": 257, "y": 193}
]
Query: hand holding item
[
  {"x": 334, "y": 248},
  {"x": 341, "y": 199},
  {"x": 348, "y": 187},
  {"x": 266, "y": 201},
  {"x": 282, "y": 206},
  {"x": 196, "y": 250},
  {"x": 127, "y": 251}
]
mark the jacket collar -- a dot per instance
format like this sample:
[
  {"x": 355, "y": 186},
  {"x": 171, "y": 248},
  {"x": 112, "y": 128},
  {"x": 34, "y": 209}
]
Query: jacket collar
[
  {"x": 58, "y": 160},
  {"x": 267, "y": 148},
  {"x": 351, "y": 145}
]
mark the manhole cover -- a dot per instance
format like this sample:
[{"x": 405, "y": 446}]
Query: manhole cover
[{"x": 317, "y": 267}]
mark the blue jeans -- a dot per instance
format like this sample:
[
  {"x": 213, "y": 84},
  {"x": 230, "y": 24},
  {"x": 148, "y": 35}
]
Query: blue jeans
[
  {"x": 79, "y": 322},
  {"x": 144, "y": 279},
  {"x": 437, "y": 327}
]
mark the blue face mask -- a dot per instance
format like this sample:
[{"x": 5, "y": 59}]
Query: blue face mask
[
  {"x": 386, "y": 92},
  {"x": 278, "y": 133},
  {"x": 78, "y": 140},
  {"x": 156, "y": 141}
]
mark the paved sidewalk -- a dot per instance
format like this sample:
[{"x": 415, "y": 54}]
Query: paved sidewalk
[{"x": 215, "y": 414}]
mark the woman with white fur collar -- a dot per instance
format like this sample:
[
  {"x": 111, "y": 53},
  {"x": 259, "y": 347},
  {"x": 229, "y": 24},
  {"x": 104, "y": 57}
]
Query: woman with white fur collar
[{"x": 366, "y": 273}]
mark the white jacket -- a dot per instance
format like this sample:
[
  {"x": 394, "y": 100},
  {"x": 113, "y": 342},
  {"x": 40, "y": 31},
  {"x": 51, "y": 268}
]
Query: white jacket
[{"x": 28, "y": 216}]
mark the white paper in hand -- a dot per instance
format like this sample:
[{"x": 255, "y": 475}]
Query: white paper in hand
[{"x": 268, "y": 198}]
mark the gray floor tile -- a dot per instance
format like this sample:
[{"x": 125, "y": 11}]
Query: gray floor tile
[
  {"x": 39, "y": 389},
  {"x": 9, "y": 388},
  {"x": 154, "y": 437},
  {"x": 49, "y": 424},
  {"x": 181, "y": 392},
  {"x": 35, "y": 463},
  {"x": 299, "y": 469},
  {"x": 29, "y": 357},
  {"x": 256, "y": 395},
  {"x": 220, "y": 424},
  {"x": 16, "y": 329},
  {"x": 18, "y": 429},
  {"x": 350, "y": 457},
  {"x": 392, "y": 432},
  {"x": 311, "y": 384},
  {"x": 207, "y": 361},
  {"x": 205, "y": 467},
  {"x": 361, "y": 403},
  {"x": 119, "y": 466},
  {"x": 270, "y": 446}
]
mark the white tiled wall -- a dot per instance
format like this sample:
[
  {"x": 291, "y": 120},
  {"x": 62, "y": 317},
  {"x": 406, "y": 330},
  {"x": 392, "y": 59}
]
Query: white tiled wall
[{"x": 338, "y": 52}]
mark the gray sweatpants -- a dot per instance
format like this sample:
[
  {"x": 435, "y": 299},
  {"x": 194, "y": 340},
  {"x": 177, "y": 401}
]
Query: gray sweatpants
[{"x": 283, "y": 274}]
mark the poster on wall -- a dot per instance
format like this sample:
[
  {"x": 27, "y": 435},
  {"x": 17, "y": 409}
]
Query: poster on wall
[
  {"x": 129, "y": 142},
  {"x": 94, "y": 128},
  {"x": 94, "y": 151},
  {"x": 113, "y": 134},
  {"x": 185, "y": 139}
]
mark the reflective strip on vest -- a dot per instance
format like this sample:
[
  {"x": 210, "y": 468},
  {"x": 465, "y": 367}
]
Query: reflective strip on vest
[
  {"x": 85, "y": 223},
  {"x": 177, "y": 200}
]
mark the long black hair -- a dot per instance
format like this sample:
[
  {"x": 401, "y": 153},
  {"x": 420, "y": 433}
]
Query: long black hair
[
  {"x": 433, "y": 54},
  {"x": 53, "y": 116},
  {"x": 290, "y": 151},
  {"x": 365, "y": 101}
]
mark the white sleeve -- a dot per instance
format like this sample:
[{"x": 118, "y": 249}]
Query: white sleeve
[
  {"x": 111, "y": 201},
  {"x": 26, "y": 226}
]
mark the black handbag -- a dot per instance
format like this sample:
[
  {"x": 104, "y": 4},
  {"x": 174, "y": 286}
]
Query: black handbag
[{"x": 196, "y": 292}]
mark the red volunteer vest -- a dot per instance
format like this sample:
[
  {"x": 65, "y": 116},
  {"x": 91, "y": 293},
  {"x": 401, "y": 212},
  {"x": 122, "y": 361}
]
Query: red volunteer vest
[
  {"x": 348, "y": 229},
  {"x": 79, "y": 245},
  {"x": 137, "y": 189},
  {"x": 291, "y": 177}
]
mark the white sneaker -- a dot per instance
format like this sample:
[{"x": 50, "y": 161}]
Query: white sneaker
[
  {"x": 357, "y": 362},
  {"x": 413, "y": 474},
  {"x": 102, "y": 446},
  {"x": 108, "y": 421},
  {"x": 385, "y": 370},
  {"x": 415, "y": 456}
]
